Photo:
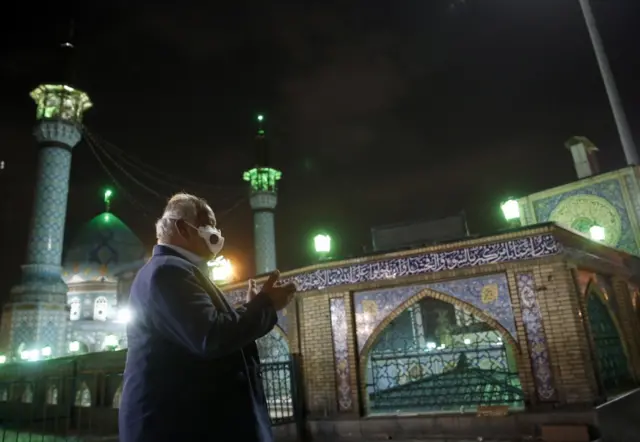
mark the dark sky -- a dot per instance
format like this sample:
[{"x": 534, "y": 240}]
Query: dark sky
[{"x": 378, "y": 111}]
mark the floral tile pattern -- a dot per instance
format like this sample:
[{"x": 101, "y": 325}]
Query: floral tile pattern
[
  {"x": 340, "y": 335},
  {"x": 487, "y": 293},
  {"x": 536, "y": 338},
  {"x": 609, "y": 191}
]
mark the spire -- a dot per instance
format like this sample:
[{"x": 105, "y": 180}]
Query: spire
[
  {"x": 108, "y": 193},
  {"x": 64, "y": 73},
  {"x": 58, "y": 98},
  {"x": 262, "y": 178},
  {"x": 262, "y": 147}
]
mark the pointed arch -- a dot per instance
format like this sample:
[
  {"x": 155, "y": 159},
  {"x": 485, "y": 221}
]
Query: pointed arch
[
  {"x": 117, "y": 397},
  {"x": 274, "y": 346},
  {"x": 491, "y": 362},
  {"x": 611, "y": 352},
  {"x": 443, "y": 297},
  {"x": 52, "y": 395},
  {"x": 83, "y": 396},
  {"x": 100, "y": 308},
  {"x": 27, "y": 394},
  {"x": 75, "y": 308}
]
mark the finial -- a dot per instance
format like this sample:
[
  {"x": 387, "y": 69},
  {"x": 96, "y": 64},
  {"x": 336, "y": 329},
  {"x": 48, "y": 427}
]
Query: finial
[
  {"x": 108, "y": 193},
  {"x": 260, "y": 119}
]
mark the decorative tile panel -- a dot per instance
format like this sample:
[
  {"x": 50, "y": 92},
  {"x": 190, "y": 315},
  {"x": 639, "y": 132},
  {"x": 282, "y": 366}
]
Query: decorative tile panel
[
  {"x": 536, "y": 337},
  {"x": 424, "y": 263},
  {"x": 600, "y": 203},
  {"x": 264, "y": 239},
  {"x": 50, "y": 207},
  {"x": 489, "y": 294},
  {"x": 341, "y": 353}
]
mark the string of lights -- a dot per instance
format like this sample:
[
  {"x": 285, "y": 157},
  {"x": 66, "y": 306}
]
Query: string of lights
[
  {"x": 121, "y": 189},
  {"x": 97, "y": 147},
  {"x": 161, "y": 176},
  {"x": 135, "y": 173}
]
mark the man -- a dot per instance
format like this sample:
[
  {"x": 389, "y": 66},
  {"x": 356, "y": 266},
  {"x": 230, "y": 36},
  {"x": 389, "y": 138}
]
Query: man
[{"x": 192, "y": 371}]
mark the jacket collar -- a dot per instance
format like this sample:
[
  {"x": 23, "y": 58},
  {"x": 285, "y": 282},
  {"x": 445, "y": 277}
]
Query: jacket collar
[{"x": 167, "y": 249}]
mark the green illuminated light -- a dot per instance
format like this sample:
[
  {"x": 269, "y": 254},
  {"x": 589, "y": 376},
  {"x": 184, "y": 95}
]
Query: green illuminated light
[
  {"x": 322, "y": 243},
  {"x": 60, "y": 101},
  {"x": 263, "y": 179},
  {"x": 511, "y": 210},
  {"x": 260, "y": 117},
  {"x": 107, "y": 195}
]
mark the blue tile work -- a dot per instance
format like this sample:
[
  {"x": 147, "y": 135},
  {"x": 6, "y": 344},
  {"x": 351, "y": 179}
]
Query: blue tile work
[
  {"x": 340, "y": 336},
  {"x": 264, "y": 237},
  {"x": 50, "y": 207},
  {"x": 634, "y": 194},
  {"x": 536, "y": 337},
  {"x": 23, "y": 330},
  {"x": 391, "y": 268},
  {"x": 487, "y": 293},
  {"x": 52, "y": 330},
  {"x": 38, "y": 303},
  {"x": 609, "y": 193},
  {"x": 100, "y": 249}
]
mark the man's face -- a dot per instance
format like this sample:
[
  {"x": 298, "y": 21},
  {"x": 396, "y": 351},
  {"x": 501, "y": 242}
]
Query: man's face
[{"x": 194, "y": 242}]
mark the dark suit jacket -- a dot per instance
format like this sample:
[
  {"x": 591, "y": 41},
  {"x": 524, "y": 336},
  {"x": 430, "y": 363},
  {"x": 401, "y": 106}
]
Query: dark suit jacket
[{"x": 192, "y": 371}]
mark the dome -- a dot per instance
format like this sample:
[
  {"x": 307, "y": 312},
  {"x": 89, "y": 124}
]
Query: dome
[{"x": 101, "y": 247}]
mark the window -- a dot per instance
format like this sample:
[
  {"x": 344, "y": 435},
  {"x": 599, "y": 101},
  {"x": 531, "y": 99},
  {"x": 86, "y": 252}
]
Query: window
[
  {"x": 52, "y": 395},
  {"x": 100, "y": 309},
  {"x": 117, "y": 397},
  {"x": 83, "y": 396},
  {"x": 27, "y": 394},
  {"x": 74, "y": 309}
]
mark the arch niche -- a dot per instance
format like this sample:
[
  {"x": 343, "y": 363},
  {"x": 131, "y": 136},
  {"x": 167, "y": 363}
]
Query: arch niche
[
  {"x": 274, "y": 346},
  {"x": 611, "y": 356},
  {"x": 275, "y": 359},
  {"x": 435, "y": 353}
]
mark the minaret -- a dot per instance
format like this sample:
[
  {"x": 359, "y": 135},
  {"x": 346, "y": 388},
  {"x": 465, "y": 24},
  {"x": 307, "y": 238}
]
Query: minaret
[
  {"x": 263, "y": 199},
  {"x": 37, "y": 312}
]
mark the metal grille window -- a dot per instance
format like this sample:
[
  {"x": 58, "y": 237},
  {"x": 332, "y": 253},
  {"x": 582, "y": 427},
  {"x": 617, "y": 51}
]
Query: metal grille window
[{"x": 437, "y": 357}]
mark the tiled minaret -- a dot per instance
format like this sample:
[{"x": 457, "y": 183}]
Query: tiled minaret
[
  {"x": 263, "y": 199},
  {"x": 36, "y": 315}
]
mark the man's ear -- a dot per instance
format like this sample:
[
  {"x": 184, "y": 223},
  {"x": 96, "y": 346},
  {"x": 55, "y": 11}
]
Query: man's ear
[{"x": 182, "y": 228}]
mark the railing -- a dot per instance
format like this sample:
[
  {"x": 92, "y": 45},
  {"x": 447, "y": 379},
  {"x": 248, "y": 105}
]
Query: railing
[{"x": 72, "y": 400}]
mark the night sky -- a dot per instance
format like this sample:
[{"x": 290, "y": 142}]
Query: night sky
[{"x": 377, "y": 111}]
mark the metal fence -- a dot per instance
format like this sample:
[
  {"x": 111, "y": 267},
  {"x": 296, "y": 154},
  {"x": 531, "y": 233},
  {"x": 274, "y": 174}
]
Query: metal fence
[{"x": 77, "y": 399}]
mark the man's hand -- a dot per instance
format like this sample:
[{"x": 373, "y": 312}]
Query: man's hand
[
  {"x": 252, "y": 290},
  {"x": 280, "y": 295}
]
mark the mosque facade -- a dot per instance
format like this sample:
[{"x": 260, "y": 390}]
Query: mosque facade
[{"x": 103, "y": 250}]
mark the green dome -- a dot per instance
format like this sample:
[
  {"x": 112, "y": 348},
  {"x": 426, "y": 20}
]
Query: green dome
[{"x": 102, "y": 246}]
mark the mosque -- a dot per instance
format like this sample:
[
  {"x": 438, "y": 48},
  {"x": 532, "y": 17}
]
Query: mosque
[{"x": 535, "y": 324}]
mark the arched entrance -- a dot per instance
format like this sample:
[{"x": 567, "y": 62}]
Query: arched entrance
[
  {"x": 440, "y": 356},
  {"x": 276, "y": 368},
  {"x": 611, "y": 357}
]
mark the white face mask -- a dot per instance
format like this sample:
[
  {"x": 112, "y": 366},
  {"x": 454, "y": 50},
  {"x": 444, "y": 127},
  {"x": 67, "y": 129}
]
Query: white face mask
[{"x": 212, "y": 237}]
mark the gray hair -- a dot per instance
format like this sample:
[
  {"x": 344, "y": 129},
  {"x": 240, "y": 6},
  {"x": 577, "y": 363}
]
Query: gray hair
[{"x": 180, "y": 206}]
